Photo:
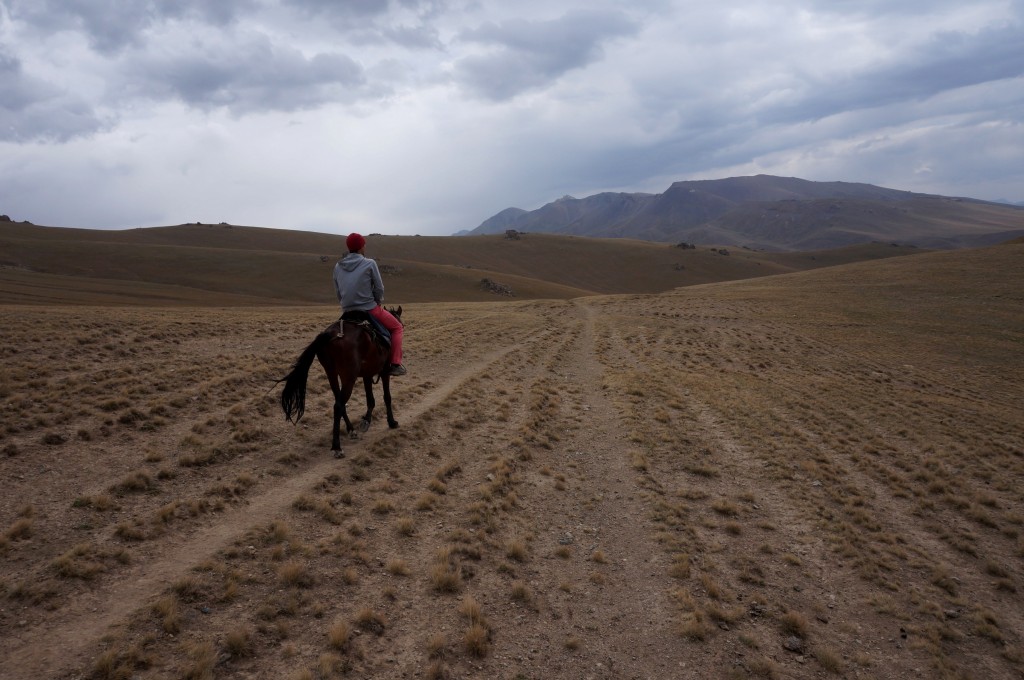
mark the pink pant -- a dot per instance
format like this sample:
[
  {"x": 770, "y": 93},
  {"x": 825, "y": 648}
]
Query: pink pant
[{"x": 394, "y": 327}]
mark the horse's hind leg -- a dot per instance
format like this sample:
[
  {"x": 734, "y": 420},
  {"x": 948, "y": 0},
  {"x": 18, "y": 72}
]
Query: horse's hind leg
[
  {"x": 370, "y": 404},
  {"x": 386, "y": 381}
]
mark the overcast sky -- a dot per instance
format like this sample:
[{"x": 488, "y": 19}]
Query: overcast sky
[{"x": 427, "y": 117}]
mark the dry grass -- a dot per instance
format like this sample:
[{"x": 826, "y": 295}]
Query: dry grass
[
  {"x": 436, "y": 671},
  {"x": 169, "y": 613},
  {"x": 471, "y": 609},
  {"x": 437, "y": 646},
  {"x": 521, "y": 592},
  {"x": 202, "y": 657},
  {"x": 398, "y": 567},
  {"x": 516, "y": 550},
  {"x": 369, "y": 620},
  {"x": 405, "y": 526},
  {"x": 339, "y": 634},
  {"x": 751, "y": 438},
  {"x": 446, "y": 578},
  {"x": 794, "y": 623},
  {"x": 680, "y": 568},
  {"x": 238, "y": 642},
  {"x": 829, "y": 660},
  {"x": 295, "y": 573},
  {"x": 477, "y": 640}
]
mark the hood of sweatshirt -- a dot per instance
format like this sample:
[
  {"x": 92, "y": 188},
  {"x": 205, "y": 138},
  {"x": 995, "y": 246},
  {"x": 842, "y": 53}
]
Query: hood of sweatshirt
[{"x": 351, "y": 261}]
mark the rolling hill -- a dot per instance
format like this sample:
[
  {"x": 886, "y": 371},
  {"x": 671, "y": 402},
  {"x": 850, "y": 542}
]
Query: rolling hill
[
  {"x": 772, "y": 213},
  {"x": 231, "y": 265}
]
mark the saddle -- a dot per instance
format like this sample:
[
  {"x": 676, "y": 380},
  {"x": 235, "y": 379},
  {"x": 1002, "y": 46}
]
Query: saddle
[{"x": 377, "y": 332}]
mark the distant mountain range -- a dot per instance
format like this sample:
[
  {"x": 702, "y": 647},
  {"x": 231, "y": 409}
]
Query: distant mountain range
[{"x": 772, "y": 213}]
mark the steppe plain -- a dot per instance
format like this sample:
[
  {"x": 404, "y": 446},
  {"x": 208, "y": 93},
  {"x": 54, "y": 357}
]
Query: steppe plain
[{"x": 810, "y": 475}]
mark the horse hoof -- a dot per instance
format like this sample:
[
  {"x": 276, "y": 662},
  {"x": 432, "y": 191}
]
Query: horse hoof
[
  {"x": 339, "y": 454},
  {"x": 393, "y": 425},
  {"x": 353, "y": 435},
  {"x": 364, "y": 425}
]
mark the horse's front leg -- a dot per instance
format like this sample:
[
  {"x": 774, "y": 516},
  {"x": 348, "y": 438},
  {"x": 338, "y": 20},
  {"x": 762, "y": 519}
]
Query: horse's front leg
[
  {"x": 386, "y": 381},
  {"x": 341, "y": 413},
  {"x": 370, "y": 403}
]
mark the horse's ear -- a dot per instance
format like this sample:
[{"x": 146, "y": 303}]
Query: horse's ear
[{"x": 398, "y": 312}]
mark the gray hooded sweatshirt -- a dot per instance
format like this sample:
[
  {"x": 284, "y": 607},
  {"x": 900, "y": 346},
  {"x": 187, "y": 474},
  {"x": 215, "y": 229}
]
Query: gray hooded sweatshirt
[{"x": 357, "y": 283}]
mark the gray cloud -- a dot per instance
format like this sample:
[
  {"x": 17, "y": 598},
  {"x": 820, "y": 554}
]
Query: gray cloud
[
  {"x": 348, "y": 10},
  {"x": 245, "y": 78},
  {"x": 947, "y": 61},
  {"x": 526, "y": 55},
  {"x": 31, "y": 109},
  {"x": 112, "y": 25},
  {"x": 415, "y": 37}
]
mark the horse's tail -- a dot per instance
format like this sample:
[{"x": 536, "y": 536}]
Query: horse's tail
[{"x": 293, "y": 396}]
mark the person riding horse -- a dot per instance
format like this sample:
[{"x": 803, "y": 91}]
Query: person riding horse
[{"x": 359, "y": 287}]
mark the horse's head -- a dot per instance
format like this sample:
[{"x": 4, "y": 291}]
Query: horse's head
[{"x": 397, "y": 313}]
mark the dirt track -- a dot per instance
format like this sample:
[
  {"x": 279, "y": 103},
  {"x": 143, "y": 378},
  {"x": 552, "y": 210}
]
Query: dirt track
[{"x": 659, "y": 487}]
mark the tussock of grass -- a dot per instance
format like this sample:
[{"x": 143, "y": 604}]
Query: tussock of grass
[
  {"x": 446, "y": 578},
  {"x": 516, "y": 550},
  {"x": 521, "y": 592},
  {"x": 693, "y": 626},
  {"x": 110, "y": 666},
  {"x": 339, "y": 634},
  {"x": 398, "y": 567},
  {"x": 383, "y": 507},
  {"x": 277, "y": 532},
  {"x": 405, "y": 526},
  {"x": 295, "y": 574},
  {"x": 169, "y": 613},
  {"x": 189, "y": 588},
  {"x": 471, "y": 609},
  {"x": 639, "y": 461},
  {"x": 436, "y": 670},
  {"x": 725, "y": 508},
  {"x": 680, "y": 568},
  {"x": 477, "y": 640},
  {"x": 136, "y": 482},
  {"x": 829, "y": 660},
  {"x": 320, "y": 506},
  {"x": 20, "y": 529},
  {"x": 437, "y": 646},
  {"x": 83, "y": 561},
  {"x": 238, "y": 642},
  {"x": 371, "y": 621},
  {"x": 794, "y": 623}
]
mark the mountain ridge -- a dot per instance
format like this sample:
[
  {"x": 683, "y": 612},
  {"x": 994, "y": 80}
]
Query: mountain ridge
[{"x": 745, "y": 211}]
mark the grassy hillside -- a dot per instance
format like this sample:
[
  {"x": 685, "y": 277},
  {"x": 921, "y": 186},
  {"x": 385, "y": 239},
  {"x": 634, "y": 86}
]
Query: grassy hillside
[{"x": 230, "y": 265}]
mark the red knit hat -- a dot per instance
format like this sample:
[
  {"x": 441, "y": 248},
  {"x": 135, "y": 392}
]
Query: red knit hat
[{"x": 355, "y": 242}]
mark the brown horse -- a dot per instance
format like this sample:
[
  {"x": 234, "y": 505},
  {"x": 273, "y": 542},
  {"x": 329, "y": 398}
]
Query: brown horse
[{"x": 347, "y": 350}]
